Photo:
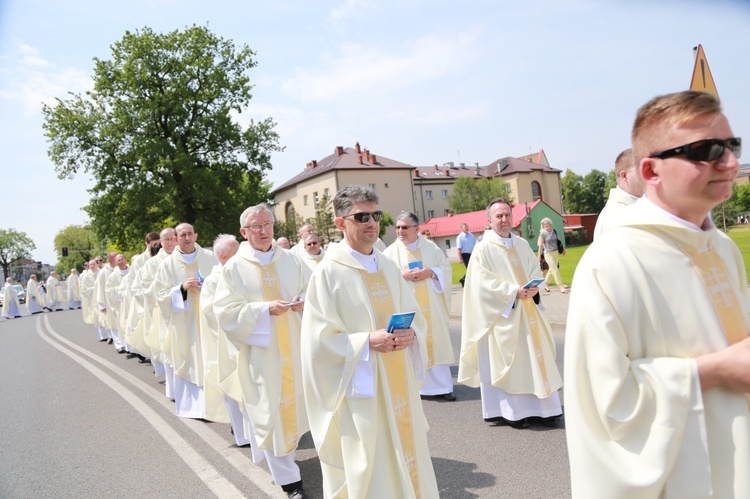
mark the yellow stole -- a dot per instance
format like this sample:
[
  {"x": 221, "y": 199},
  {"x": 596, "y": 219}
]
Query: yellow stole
[
  {"x": 395, "y": 367},
  {"x": 532, "y": 315},
  {"x": 271, "y": 286},
  {"x": 423, "y": 298},
  {"x": 191, "y": 271}
]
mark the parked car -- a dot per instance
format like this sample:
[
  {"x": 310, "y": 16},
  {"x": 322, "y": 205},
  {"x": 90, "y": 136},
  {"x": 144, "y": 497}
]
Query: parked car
[{"x": 19, "y": 291}]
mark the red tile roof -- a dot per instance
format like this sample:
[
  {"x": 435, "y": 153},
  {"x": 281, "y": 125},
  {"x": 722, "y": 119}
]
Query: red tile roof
[{"x": 477, "y": 220}]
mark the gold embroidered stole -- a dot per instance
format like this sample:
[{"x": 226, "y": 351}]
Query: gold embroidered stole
[
  {"x": 714, "y": 276},
  {"x": 271, "y": 286},
  {"x": 191, "y": 271},
  {"x": 395, "y": 367},
  {"x": 532, "y": 315},
  {"x": 423, "y": 298}
]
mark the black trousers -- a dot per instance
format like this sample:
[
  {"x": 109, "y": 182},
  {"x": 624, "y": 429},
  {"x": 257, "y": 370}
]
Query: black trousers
[{"x": 465, "y": 257}]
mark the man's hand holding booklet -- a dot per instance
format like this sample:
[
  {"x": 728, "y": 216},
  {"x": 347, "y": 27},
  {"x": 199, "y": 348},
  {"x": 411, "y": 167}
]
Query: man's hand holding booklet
[
  {"x": 533, "y": 283},
  {"x": 400, "y": 321}
]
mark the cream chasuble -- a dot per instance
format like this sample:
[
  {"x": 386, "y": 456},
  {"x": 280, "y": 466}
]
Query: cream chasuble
[
  {"x": 645, "y": 301},
  {"x": 155, "y": 326},
  {"x": 267, "y": 363},
  {"x": 521, "y": 346},
  {"x": 182, "y": 345},
  {"x": 371, "y": 441},
  {"x": 435, "y": 306},
  {"x": 88, "y": 307},
  {"x": 216, "y": 409}
]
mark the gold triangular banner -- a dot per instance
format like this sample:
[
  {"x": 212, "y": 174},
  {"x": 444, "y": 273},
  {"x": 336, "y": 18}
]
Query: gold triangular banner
[{"x": 702, "y": 78}]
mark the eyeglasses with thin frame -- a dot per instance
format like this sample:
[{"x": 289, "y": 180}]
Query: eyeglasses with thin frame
[
  {"x": 404, "y": 227},
  {"x": 704, "y": 150},
  {"x": 364, "y": 216},
  {"x": 258, "y": 227}
]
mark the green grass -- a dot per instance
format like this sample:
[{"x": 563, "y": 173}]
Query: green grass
[{"x": 740, "y": 234}]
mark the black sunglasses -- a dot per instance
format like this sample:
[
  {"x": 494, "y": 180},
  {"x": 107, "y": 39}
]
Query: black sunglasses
[
  {"x": 704, "y": 150},
  {"x": 364, "y": 216}
]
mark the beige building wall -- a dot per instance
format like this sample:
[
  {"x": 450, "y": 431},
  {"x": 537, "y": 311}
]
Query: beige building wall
[
  {"x": 432, "y": 197},
  {"x": 303, "y": 196}
]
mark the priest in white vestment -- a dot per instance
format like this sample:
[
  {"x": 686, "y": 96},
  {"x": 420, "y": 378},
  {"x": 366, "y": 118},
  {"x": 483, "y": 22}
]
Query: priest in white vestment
[
  {"x": 507, "y": 347},
  {"x": 177, "y": 285},
  {"x": 225, "y": 247},
  {"x": 362, "y": 382},
  {"x": 131, "y": 310},
  {"x": 54, "y": 292},
  {"x": 299, "y": 248},
  {"x": 33, "y": 299},
  {"x": 627, "y": 191},
  {"x": 100, "y": 297},
  {"x": 87, "y": 282},
  {"x": 314, "y": 251},
  {"x": 113, "y": 298},
  {"x": 657, "y": 354},
  {"x": 428, "y": 272},
  {"x": 11, "y": 308},
  {"x": 154, "y": 326},
  {"x": 283, "y": 242},
  {"x": 74, "y": 292},
  {"x": 258, "y": 303}
]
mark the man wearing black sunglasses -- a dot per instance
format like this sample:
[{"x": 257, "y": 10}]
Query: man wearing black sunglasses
[
  {"x": 657, "y": 354},
  {"x": 361, "y": 381}
]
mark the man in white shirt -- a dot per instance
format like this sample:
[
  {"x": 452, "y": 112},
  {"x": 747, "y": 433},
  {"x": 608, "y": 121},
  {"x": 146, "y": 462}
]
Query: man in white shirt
[{"x": 464, "y": 246}]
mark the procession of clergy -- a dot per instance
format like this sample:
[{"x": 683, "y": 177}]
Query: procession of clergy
[
  {"x": 40, "y": 297},
  {"x": 278, "y": 341}
]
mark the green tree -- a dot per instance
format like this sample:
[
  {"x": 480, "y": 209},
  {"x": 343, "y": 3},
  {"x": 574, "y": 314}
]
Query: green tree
[
  {"x": 82, "y": 245},
  {"x": 725, "y": 214},
  {"x": 385, "y": 222},
  {"x": 323, "y": 221},
  {"x": 472, "y": 194},
  {"x": 289, "y": 228},
  {"x": 14, "y": 244},
  {"x": 160, "y": 137},
  {"x": 594, "y": 191},
  {"x": 572, "y": 188},
  {"x": 610, "y": 183}
]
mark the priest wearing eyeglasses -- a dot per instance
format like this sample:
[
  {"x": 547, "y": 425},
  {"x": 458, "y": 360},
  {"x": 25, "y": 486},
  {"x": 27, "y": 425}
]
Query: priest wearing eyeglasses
[
  {"x": 362, "y": 382},
  {"x": 314, "y": 251},
  {"x": 258, "y": 303},
  {"x": 428, "y": 272},
  {"x": 657, "y": 354}
]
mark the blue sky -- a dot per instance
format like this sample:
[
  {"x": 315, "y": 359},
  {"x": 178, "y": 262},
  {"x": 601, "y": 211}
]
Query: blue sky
[{"x": 422, "y": 82}]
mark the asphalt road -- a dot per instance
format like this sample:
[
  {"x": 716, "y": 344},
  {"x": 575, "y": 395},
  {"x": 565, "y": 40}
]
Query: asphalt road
[{"x": 79, "y": 420}]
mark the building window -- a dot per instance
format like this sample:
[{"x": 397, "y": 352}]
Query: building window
[
  {"x": 445, "y": 194},
  {"x": 315, "y": 199},
  {"x": 448, "y": 243},
  {"x": 445, "y": 212},
  {"x": 536, "y": 191},
  {"x": 430, "y": 213},
  {"x": 428, "y": 194},
  {"x": 289, "y": 212},
  {"x": 304, "y": 199}
]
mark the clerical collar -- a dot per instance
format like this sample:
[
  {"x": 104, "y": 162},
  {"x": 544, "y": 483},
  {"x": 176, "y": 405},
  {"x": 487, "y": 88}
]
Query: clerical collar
[
  {"x": 264, "y": 257},
  {"x": 190, "y": 257},
  {"x": 625, "y": 193},
  {"x": 413, "y": 246},
  {"x": 505, "y": 241},
  {"x": 124, "y": 271},
  {"x": 369, "y": 262},
  {"x": 708, "y": 224}
]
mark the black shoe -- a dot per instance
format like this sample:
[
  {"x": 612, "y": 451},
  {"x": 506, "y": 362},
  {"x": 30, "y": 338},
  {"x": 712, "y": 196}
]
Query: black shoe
[
  {"x": 109, "y": 341},
  {"x": 449, "y": 397},
  {"x": 120, "y": 350},
  {"x": 521, "y": 424},
  {"x": 143, "y": 360},
  {"x": 105, "y": 339},
  {"x": 297, "y": 494},
  {"x": 131, "y": 355}
]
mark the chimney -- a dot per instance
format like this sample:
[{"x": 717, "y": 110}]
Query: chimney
[
  {"x": 373, "y": 159},
  {"x": 359, "y": 158},
  {"x": 367, "y": 154},
  {"x": 357, "y": 148},
  {"x": 436, "y": 168},
  {"x": 339, "y": 150},
  {"x": 314, "y": 163},
  {"x": 308, "y": 165},
  {"x": 416, "y": 173}
]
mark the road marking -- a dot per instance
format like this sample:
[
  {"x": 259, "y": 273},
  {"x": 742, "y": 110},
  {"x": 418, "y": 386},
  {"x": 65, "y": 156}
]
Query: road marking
[{"x": 233, "y": 455}]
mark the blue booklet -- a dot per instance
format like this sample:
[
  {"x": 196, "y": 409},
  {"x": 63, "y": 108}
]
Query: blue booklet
[
  {"x": 533, "y": 283},
  {"x": 415, "y": 265},
  {"x": 400, "y": 321}
]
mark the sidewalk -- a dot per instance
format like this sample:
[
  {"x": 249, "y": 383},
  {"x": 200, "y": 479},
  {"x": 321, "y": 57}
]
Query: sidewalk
[{"x": 555, "y": 304}]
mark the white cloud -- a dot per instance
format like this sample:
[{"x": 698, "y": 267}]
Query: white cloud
[
  {"x": 358, "y": 69},
  {"x": 29, "y": 80},
  {"x": 350, "y": 8}
]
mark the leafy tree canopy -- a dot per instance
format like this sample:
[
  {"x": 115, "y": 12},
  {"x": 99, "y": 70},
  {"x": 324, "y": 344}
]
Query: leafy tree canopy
[
  {"x": 584, "y": 194},
  {"x": 14, "y": 244},
  {"x": 159, "y": 135},
  {"x": 472, "y": 194},
  {"x": 82, "y": 245}
]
